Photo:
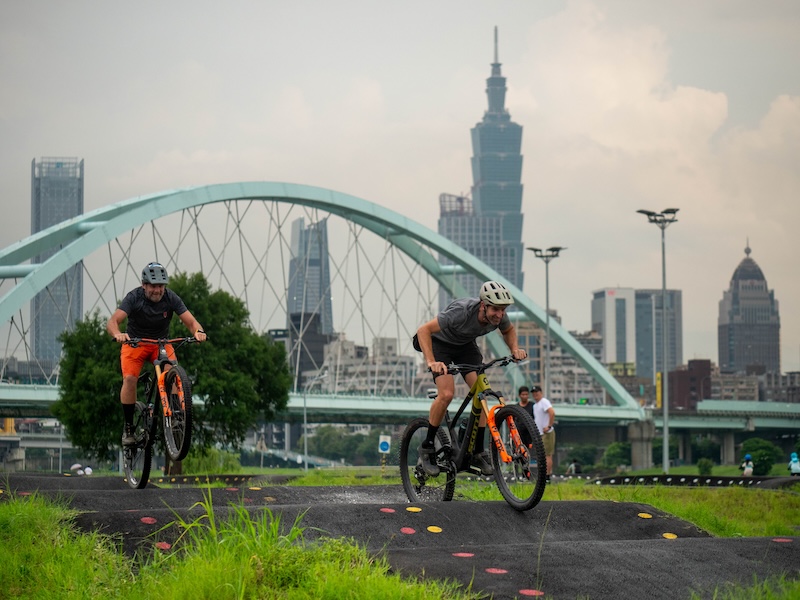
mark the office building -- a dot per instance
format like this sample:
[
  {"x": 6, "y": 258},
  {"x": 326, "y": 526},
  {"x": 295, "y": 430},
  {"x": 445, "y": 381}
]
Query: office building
[
  {"x": 488, "y": 224},
  {"x": 749, "y": 325},
  {"x": 309, "y": 311},
  {"x": 56, "y": 195},
  {"x": 649, "y": 346},
  {"x": 614, "y": 318},
  {"x": 630, "y": 323}
]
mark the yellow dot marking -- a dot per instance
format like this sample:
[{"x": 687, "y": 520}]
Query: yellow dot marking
[
  {"x": 645, "y": 516},
  {"x": 255, "y": 489},
  {"x": 414, "y": 509},
  {"x": 269, "y": 498},
  {"x": 435, "y": 529},
  {"x": 669, "y": 536}
]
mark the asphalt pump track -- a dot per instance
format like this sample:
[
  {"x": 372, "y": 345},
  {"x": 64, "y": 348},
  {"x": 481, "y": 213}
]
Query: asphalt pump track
[{"x": 564, "y": 550}]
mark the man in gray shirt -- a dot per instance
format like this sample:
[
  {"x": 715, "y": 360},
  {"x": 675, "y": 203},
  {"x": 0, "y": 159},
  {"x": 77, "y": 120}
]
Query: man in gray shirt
[{"x": 451, "y": 337}]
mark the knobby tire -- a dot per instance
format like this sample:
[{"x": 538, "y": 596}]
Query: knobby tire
[
  {"x": 178, "y": 427},
  {"x": 419, "y": 486},
  {"x": 521, "y": 481},
  {"x": 138, "y": 459}
]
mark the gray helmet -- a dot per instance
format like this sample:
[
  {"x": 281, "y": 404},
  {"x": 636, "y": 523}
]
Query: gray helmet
[
  {"x": 155, "y": 273},
  {"x": 496, "y": 294}
]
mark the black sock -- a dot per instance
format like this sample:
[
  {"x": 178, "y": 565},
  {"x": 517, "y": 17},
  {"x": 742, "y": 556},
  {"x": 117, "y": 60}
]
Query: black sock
[
  {"x": 432, "y": 431},
  {"x": 127, "y": 411},
  {"x": 479, "y": 440}
]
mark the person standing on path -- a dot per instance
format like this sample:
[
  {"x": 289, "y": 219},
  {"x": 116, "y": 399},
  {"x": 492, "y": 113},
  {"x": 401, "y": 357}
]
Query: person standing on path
[{"x": 545, "y": 416}]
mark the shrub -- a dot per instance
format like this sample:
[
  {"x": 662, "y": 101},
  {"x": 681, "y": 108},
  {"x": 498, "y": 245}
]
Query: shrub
[{"x": 704, "y": 465}]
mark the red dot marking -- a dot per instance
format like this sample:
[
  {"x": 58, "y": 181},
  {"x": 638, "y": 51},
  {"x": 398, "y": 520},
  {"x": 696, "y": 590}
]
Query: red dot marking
[
  {"x": 463, "y": 554},
  {"x": 531, "y": 593},
  {"x": 149, "y": 520},
  {"x": 408, "y": 530},
  {"x": 232, "y": 489},
  {"x": 387, "y": 510},
  {"x": 24, "y": 493},
  {"x": 783, "y": 540},
  {"x": 496, "y": 571},
  {"x": 163, "y": 545}
]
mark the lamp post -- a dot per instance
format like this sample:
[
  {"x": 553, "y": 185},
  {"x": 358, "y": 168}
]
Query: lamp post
[
  {"x": 315, "y": 379},
  {"x": 663, "y": 220},
  {"x": 547, "y": 256}
]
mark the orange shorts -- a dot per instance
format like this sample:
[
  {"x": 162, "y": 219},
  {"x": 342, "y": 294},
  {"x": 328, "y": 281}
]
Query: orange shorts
[{"x": 132, "y": 359}]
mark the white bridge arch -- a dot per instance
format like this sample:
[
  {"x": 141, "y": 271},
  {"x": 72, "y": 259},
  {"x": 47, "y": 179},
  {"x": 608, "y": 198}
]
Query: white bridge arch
[{"x": 126, "y": 222}]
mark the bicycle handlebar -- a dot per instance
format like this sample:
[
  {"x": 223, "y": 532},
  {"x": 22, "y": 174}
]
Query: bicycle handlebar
[
  {"x": 134, "y": 342},
  {"x": 454, "y": 369}
]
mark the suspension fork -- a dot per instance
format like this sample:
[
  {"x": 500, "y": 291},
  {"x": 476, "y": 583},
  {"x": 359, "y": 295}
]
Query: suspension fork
[
  {"x": 516, "y": 440},
  {"x": 162, "y": 391}
]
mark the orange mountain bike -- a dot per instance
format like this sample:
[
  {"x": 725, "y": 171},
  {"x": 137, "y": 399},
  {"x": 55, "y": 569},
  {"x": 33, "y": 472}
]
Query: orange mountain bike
[
  {"x": 517, "y": 451},
  {"x": 175, "y": 399}
]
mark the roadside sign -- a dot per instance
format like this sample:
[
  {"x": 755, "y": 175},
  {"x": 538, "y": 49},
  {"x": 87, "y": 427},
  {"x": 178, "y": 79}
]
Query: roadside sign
[{"x": 384, "y": 444}]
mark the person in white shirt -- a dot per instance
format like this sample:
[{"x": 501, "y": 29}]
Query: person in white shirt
[{"x": 545, "y": 416}]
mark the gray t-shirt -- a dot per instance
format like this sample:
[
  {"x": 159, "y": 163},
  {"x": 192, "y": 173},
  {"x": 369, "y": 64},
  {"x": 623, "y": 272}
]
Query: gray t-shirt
[{"x": 459, "y": 322}]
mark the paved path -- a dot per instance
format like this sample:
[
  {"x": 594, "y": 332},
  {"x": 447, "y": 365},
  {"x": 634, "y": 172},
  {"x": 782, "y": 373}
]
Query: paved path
[{"x": 589, "y": 549}]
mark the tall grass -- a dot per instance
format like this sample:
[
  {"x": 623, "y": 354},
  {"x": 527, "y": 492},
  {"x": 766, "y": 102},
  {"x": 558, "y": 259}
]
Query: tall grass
[{"x": 42, "y": 556}]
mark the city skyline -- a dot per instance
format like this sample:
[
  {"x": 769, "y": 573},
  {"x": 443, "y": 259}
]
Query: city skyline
[{"x": 624, "y": 107}]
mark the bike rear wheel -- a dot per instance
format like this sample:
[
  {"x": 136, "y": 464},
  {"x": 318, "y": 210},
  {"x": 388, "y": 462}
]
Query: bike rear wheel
[
  {"x": 521, "y": 477},
  {"x": 137, "y": 459},
  {"x": 178, "y": 426},
  {"x": 418, "y": 485}
]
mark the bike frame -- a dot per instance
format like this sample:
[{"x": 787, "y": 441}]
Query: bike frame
[
  {"x": 477, "y": 399},
  {"x": 159, "y": 365}
]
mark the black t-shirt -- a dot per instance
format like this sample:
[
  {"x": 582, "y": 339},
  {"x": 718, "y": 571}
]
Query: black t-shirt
[{"x": 148, "y": 319}]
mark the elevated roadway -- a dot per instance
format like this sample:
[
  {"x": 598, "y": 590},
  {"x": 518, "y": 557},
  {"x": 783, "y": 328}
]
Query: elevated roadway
[{"x": 35, "y": 401}]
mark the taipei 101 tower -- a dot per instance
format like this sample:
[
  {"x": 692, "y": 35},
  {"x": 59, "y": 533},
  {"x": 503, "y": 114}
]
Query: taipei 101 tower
[{"x": 489, "y": 224}]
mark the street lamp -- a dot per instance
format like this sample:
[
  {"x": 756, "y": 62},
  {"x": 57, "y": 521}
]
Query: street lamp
[
  {"x": 663, "y": 220},
  {"x": 315, "y": 379},
  {"x": 547, "y": 256}
]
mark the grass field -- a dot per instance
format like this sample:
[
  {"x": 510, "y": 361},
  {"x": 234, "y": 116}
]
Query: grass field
[{"x": 43, "y": 556}]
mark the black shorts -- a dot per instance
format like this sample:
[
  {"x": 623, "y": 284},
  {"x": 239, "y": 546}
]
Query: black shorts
[{"x": 466, "y": 354}]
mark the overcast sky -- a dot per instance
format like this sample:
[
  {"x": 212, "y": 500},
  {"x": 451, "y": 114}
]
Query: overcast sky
[{"x": 625, "y": 105}]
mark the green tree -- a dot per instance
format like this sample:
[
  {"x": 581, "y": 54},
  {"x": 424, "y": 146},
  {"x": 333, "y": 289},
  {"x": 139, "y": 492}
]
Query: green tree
[
  {"x": 585, "y": 454},
  {"x": 238, "y": 377},
  {"x": 764, "y": 454},
  {"x": 90, "y": 378},
  {"x": 617, "y": 453}
]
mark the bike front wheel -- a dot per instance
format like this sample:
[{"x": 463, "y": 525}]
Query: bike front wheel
[
  {"x": 178, "y": 425},
  {"x": 521, "y": 469},
  {"x": 418, "y": 485},
  {"x": 137, "y": 459}
]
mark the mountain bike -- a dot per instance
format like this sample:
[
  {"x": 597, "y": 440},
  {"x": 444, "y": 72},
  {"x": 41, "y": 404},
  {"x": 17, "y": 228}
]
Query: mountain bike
[
  {"x": 174, "y": 395},
  {"x": 519, "y": 466}
]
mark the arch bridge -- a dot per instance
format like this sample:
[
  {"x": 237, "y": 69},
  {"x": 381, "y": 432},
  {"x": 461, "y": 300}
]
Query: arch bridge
[{"x": 384, "y": 276}]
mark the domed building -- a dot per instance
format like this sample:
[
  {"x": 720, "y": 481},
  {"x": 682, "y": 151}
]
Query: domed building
[{"x": 749, "y": 323}]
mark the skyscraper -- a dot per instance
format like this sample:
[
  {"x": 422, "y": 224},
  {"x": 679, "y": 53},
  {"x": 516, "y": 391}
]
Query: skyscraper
[
  {"x": 629, "y": 319},
  {"x": 614, "y": 317},
  {"x": 648, "y": 331},
  {"x": 489, "y": 224},
  {"x": 309, "y": 311},
  {"x": 749, "y": 325},
  {"x": 56, "y": 196}
]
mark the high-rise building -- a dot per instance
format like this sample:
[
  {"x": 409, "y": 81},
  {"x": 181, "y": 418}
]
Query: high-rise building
[
  {"x": 309, "y": 312},
  {"x": 749, "y": 325},
  {"x": 630, "y": 322},
  {"x": 309, "y": 273},
  {"x": 649, "y": 346},
  {"x": 56, "y": 196},
  {"x": 614, "y": 318},
  {"x": 489, "y": 224}
]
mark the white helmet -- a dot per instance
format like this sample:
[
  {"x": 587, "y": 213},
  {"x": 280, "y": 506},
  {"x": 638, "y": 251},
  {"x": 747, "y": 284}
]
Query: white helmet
[{"x": 496, "y": 294}]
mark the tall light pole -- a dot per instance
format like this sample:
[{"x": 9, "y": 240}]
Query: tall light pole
[
  {"x": 315, "y": 379},
  {"x": 547, "y": 256},
  {"x": 663, "y": 220}
]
